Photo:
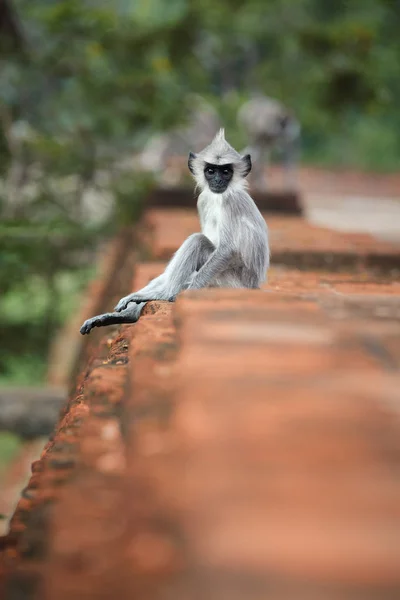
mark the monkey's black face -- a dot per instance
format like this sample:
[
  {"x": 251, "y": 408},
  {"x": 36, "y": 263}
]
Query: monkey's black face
[{"x": 218, "y": 177}]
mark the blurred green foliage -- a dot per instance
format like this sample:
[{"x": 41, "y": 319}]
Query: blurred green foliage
[
  {"x": 90, "y": 83},
  {"x": 93, "y": 79},
  {"x": 334, "y": 63},
  {"x": 10, "y": 444}
]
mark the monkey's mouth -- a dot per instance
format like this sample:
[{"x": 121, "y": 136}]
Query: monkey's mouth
[{"x": 218, "y": 188}]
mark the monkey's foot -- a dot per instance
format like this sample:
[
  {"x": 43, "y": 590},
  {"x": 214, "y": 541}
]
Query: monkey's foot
[
  {"x": 129, "y": 315},
  {"x": 98, "y": 321}
]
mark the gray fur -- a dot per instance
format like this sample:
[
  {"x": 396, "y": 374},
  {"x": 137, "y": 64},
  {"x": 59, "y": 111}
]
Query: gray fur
[
  {"x": 231, "y": 251},
  {"x": 269, "y": 125}
]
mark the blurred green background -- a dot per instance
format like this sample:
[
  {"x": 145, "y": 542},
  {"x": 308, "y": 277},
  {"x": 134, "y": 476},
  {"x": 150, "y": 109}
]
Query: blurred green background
[{"x": 84, "y": 83}]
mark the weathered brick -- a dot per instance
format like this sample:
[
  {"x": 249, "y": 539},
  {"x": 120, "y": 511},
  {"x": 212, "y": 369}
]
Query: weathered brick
[
  {"x": 235, "y": 444},
  {"x": 293, "y": 240},
  {"x": 289, "y": 458}
]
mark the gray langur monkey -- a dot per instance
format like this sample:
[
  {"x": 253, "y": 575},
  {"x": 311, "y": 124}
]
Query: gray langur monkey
[
  {"x": 269, "y": 125},
  {"x": 232, "y": 249}
]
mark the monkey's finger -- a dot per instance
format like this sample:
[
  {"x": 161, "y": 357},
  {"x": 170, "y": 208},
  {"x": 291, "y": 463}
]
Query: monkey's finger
[
  {"x": 123, "y": 303},
  {"x": 120, "y": 306},
  {"x": 151, "y": 299}
]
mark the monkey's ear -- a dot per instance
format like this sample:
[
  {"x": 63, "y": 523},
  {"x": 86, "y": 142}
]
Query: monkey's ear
[
  {"x": 246, "y": 161},
  {"x": 191, "y": 158}
]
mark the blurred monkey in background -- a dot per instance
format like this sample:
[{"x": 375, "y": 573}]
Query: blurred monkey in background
[{"x": 269, "y": 125}]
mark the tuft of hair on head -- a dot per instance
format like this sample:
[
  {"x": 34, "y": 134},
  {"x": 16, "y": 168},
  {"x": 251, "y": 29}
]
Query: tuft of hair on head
[
  {"x": 219, "y": 136},
  {"x": 219, "y": 151}
]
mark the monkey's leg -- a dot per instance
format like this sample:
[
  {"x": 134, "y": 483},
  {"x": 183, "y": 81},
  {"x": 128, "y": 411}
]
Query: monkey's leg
[
  {"x": 188, "y": 259},
  {"x": 254, "y": 151},
  {"x": 129, "y": 315},
  {"x": 291, "y": 153},
  {"x": 261, "y": 159},
  {"x": 264, "y": 166}
]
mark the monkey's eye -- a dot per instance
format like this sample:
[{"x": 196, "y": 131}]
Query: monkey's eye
[
  {"x": 226, "y": 171},
  {"x": 210, "y": 171}
]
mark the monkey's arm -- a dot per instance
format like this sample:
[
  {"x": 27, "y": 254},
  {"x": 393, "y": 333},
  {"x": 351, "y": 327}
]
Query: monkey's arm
[
  {"x": 178, "y": 275},
  {"x": 218, "y": 262}
]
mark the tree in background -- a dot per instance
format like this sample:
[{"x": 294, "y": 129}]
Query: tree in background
[
  {"x": 81, "y": 87},
  {"x": 334, "y": 63}
]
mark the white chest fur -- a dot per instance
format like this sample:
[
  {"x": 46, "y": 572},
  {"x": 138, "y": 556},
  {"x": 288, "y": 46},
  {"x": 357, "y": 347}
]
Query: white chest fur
[{"x": 210, "y": 212}]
